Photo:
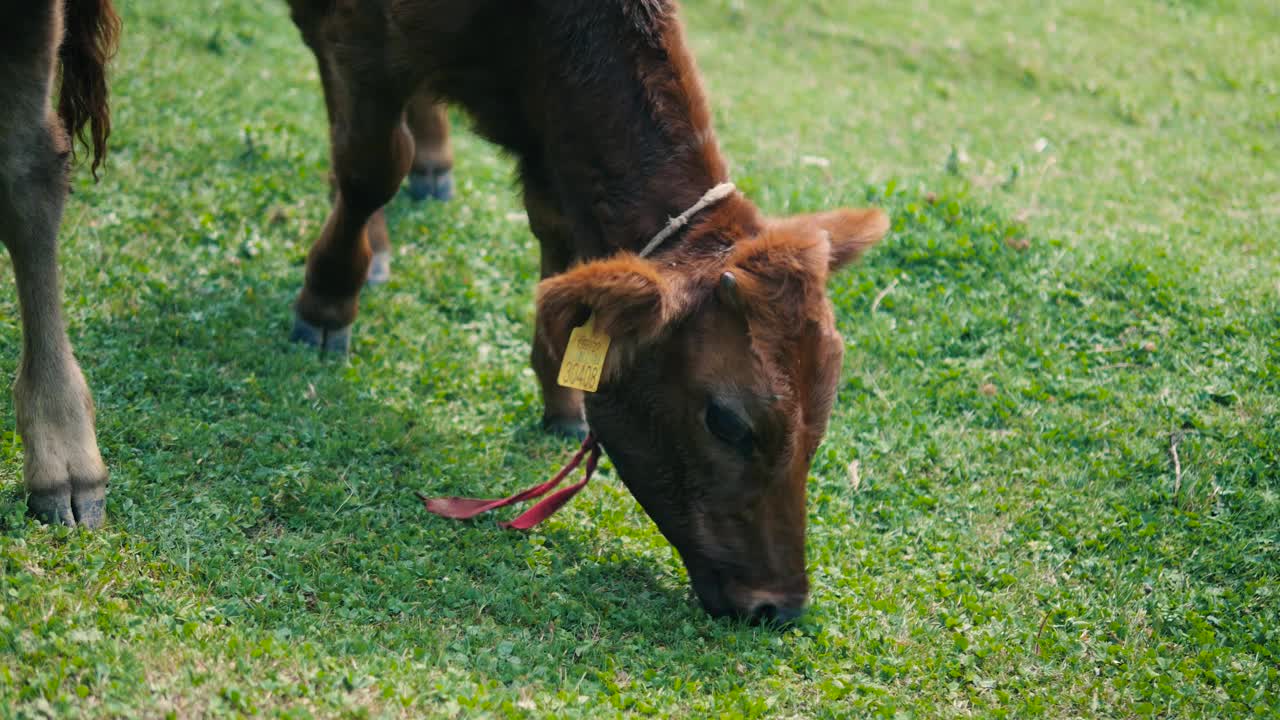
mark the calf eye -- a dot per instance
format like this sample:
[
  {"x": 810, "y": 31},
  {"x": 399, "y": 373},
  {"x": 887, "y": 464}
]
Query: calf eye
[{"x": 730, "y": 428}]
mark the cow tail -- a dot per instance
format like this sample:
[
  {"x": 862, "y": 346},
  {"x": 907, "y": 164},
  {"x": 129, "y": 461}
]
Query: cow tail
[{"x": 91, "y": 28}]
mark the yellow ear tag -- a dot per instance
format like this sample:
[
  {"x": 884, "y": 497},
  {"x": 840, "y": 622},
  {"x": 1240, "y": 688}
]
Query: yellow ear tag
[{"x": 584, "y": 358}]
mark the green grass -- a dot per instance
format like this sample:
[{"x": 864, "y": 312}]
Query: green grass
[{"x": 1084, "y": 266}]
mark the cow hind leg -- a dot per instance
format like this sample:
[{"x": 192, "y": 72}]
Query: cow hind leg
[
  {"x": 372, "y": 151},
  {"x": 432, "y": 173},
  {"x": 65, "y": 477}
]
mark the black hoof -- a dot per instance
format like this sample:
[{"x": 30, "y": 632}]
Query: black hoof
[
  {"x": 335, "y": 341},
  {"x": 437, "y": 185},
  {"x": 90, "y": 509},
  {"x": 573, "y": 429},
  {"x": 52, "y": 507},
  {"x": 379, "y": 269}
]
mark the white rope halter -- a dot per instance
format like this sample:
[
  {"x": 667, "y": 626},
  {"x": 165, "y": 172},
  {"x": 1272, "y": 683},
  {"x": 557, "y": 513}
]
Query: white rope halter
[{"x": 711, "y": 197}]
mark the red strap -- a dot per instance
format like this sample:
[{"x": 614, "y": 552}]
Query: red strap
[{"x": 465, "y": 508}]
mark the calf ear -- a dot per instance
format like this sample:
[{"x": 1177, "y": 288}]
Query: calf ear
[
  {"x": 632, "y": 302},
  {"x": 850, "y": 232}
]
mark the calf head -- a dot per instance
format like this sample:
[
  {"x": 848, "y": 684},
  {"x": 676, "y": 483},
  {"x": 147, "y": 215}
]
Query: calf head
[{"x": 716, "y": 391}]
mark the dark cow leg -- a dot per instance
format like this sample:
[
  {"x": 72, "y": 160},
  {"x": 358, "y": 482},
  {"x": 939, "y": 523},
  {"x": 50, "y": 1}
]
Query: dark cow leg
[
  {"x": 562, "y": 409},
  {"x": 65, "y": 478},
  {"x": 371, "y": 152},
  {"x": 432, "y": 172}
]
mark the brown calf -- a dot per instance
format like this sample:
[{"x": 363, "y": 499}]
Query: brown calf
[
  {"x": 724, "y": 362},
  {"x": 63, "y": 472}
]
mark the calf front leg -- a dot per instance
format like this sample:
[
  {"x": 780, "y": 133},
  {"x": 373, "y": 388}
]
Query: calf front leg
[
  {"x": 380, "y": 247},
  {"x": 65, "y": 478},
  {"x": 562, "y": 408}
]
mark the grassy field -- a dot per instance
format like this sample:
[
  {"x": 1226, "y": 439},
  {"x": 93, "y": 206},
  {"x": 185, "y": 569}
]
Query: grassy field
[{"x": 1084, "y": 271}]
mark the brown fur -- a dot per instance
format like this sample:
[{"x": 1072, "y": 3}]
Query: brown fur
[
  {"x": 63, "y": 472},
  {"x": 600, "y": 103}
]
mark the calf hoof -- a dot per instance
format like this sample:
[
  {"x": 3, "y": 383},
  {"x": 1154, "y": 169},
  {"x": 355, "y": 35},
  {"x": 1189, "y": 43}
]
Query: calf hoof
[
  {"x": 379, "y": 269},
  {"x": 334, "y": 341},
  {"x": 574, "y": 428},
  {"x": 435, "y": 184},
  {"x": 86, "y": 508},
  {"x": 52, "y": 507},
  {"x": 90, "y": 506}
]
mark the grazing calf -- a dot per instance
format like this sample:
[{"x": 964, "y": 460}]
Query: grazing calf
[
  {"x": 65, "y": 479},
  {"x": 720, "y": 378}
]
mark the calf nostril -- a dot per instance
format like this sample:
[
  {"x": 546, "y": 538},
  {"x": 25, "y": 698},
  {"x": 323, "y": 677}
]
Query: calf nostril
[
  {"x": 771, "y": 614},
  {"x": 765, "y": 612},
  {"x": 788, "y": 615}
]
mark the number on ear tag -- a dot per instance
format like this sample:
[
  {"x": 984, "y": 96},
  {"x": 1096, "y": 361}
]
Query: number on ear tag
[{"x": 584, "y": 358}]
